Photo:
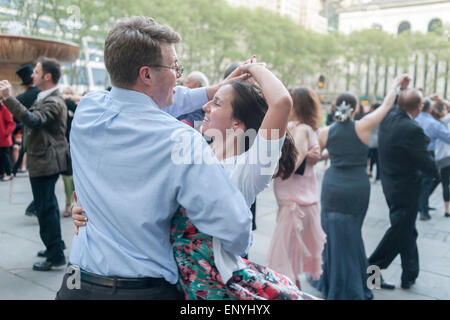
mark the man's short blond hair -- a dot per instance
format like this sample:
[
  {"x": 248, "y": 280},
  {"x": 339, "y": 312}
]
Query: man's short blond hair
[{"x": 133, "y": 43}]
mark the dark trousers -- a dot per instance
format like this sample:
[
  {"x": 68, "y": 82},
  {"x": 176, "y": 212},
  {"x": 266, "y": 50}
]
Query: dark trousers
[
  {"x": 400, "y": 238},
  {"x": 444, "y": 179},
  {"x": 90, "y": 291},
  {"x": 427, "y": 188},
  {"x": 253, "y": 210},
  {"x": 48, "y": 215},
  {"x": 5, "y": 161},
  {"x": 373, "y": 157},
  {"x": 445, "y": 176},
  {"x": 425, "y": 192}
]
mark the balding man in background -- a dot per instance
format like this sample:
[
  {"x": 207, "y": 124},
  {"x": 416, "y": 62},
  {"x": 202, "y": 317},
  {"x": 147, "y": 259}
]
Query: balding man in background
[
  {"x": 195, "y": 79},
  {"x": 404, "y": 156}
]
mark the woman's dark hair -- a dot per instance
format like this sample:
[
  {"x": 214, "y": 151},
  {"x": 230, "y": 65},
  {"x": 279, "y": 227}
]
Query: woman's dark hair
[
  {"x": 250, "y": 107},
  {"x": 307, "y": 107},
  {"x": 437, "y": 110},
  {"x": 230, "y": 69},
  {"x": 426, "y": 104},
  {"x": 349, "y": 99}
]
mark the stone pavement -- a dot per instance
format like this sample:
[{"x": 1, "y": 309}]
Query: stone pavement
[{"x": 20, "y": 241}]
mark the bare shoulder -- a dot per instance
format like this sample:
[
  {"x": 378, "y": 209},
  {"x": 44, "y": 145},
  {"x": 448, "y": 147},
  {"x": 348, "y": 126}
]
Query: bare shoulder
[
  {"x": 323, "y": 136},
  {"x": 324, "y": 131}
]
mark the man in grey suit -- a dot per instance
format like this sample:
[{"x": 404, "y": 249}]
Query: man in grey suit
[{"x": 48, "y": 153}]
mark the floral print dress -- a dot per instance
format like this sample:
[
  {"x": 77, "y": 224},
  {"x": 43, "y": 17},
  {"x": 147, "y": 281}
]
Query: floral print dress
[{"x": 200, "y": 279}]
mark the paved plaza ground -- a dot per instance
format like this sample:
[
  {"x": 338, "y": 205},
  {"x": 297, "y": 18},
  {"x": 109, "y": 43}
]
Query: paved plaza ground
[{"x": 19, "y": 243}]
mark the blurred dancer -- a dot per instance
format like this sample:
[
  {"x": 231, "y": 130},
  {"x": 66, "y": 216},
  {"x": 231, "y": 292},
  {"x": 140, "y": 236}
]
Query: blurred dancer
[{"x": 298, "y": 239}]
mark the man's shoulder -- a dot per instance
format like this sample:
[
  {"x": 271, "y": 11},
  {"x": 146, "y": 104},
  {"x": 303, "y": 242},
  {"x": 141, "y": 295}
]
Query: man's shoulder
[
  {"x": 398, "y": 123},
  {"x": 391, "y": 117},
  {"x": 55, "y": 99}
]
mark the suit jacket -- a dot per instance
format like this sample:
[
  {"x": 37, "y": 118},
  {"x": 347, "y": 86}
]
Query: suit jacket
[
  {"x": 47, "y": 146},
  {"x": 28, "y": 97},
  {"x": 402, "y": 147}
]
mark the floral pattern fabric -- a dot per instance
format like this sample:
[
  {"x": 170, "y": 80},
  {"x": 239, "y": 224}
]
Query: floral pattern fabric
[{"x": 199, "y": 279}]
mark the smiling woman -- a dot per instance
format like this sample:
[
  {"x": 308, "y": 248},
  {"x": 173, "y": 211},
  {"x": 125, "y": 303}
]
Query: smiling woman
[{"x": 206, "y": 270}]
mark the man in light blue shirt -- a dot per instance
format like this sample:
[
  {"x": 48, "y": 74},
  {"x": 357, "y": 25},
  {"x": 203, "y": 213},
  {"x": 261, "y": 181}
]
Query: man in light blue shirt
[
  {"x": 434, "y": 130},
  {"x": 126, "y": 181}
]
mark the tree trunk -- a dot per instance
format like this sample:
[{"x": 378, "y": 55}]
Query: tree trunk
[
  {"x": 347, "y": 78},
  {"x": 377, "y": 74},
  {"x": 358, "y": 79},
  {"x": 436, "y": 70},
  {"x": 368, "y": 76},
  {"x": 396, "y": 68},
  {"x": 425, "y": 73},
  {"x": 415, "y": 69},
  {"x": 446, "y": 79}
]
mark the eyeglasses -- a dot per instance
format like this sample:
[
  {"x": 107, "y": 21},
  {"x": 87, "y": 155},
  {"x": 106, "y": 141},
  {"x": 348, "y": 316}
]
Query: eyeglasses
[{"x": 179, "y": 69}]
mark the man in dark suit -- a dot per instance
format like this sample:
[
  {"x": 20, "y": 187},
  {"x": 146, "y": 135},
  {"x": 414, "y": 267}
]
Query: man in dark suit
[
  {"x": 48, "y": 153},
  {"x": 26, "y": 98},
  {"x": 403, "y": 155}
]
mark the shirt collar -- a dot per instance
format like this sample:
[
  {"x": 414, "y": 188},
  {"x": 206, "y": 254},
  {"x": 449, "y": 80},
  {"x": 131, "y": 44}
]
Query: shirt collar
[
  {"x": 428, "y": 115},
  {"x": 44, "y": 94},
  {"x": 405, "y": 113},
  {"x": 131, "y": 96}
]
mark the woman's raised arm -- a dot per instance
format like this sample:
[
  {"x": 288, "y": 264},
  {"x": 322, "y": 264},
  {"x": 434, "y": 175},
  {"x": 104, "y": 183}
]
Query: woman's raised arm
[
  {"x": 278, "y": 99},
  {"x": 365, "y": 126}
]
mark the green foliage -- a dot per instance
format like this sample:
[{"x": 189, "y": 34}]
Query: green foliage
[{"x": 215, "y": 35}]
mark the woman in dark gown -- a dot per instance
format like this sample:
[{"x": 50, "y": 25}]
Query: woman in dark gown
[{"x": 345, "y": 199}]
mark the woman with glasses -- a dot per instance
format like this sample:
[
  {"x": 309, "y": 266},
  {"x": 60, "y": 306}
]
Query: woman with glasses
[{"x": 206, "y": 271}]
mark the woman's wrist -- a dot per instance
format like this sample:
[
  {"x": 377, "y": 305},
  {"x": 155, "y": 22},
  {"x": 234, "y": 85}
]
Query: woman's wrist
[{"x": 255, "y": 66}]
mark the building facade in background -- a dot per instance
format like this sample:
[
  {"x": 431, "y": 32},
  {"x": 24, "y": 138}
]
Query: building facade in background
[
  {"x": 430, "y": 71},
  {"x": 394, "y": 16},
  {"x": 307, "y": 13}
]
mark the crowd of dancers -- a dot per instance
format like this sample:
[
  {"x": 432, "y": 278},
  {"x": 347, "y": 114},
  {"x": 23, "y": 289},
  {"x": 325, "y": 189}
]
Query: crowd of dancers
[{"x": 147, "y": 228}]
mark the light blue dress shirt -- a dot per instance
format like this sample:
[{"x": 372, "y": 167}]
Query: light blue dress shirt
[
  {"x": 129, "y": 187},
  {"x": 433, "y": 129}
]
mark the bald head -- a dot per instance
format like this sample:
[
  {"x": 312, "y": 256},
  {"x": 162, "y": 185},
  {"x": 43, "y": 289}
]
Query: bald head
[
  {"x": 410, "y": 101},
  {"x": 196, "y": 79}
]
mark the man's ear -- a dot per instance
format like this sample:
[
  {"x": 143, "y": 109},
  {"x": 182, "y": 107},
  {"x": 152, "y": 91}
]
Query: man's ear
[
  {"x": 145, "y": 75},
  {"x": 47, "y": 77}
]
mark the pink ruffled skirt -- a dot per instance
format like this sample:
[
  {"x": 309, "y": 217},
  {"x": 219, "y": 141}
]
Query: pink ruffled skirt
[{"x": 298, "y": 241}]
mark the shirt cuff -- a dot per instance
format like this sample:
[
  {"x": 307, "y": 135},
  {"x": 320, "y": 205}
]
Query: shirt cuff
[{"x": 199, "y": 95}]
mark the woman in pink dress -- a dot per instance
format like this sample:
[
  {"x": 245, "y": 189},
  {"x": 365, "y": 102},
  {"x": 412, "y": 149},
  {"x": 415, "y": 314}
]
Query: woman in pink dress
[{"x": 298, "y": 239}]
